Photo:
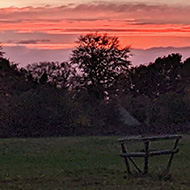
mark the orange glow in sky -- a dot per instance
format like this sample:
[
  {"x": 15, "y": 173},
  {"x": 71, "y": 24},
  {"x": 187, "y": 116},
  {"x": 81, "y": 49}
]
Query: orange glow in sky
[
  {"x": 56, "y": 24},
  {"x": 138, "y": 25}
]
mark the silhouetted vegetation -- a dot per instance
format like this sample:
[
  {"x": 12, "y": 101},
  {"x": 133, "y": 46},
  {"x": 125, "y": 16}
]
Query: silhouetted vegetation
[
  {"x": 84, "y": 95},
  {"x": 1, "y": 52},
  {"x": 99, "y": 62}
]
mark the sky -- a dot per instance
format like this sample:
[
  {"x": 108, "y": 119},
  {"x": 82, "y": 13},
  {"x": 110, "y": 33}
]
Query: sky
[{"x": 46, "y": 30}]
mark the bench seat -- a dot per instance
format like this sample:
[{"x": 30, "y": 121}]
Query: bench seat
[{"x": 150, "y": 153}]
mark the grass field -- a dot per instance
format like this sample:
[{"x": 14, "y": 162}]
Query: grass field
[{"x": 83, "y": 163}]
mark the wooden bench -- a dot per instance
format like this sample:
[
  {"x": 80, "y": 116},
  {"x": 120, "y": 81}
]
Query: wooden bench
[{"x": 147, "y": 152}]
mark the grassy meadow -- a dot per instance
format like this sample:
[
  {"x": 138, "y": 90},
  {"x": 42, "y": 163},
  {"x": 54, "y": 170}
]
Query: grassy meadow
[{"x": 83, "y": 163}]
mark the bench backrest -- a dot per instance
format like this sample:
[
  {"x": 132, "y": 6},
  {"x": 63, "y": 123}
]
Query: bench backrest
[
  {"x": 148, "y": 138},
  {"x": 147, "y": 152}
]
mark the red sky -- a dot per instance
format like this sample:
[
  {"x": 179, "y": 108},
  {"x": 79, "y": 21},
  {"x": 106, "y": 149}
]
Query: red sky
[{"x": 52, "y": 24}]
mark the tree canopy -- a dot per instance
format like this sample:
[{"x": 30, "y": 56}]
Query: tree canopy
[
  {"x": 54, "y": 73},
  {"x": 1, "y": 53},
  {"x": 84, "y": 95},
  {"x": 157, "y": 78},
  {"x": 100, "y": 62}
]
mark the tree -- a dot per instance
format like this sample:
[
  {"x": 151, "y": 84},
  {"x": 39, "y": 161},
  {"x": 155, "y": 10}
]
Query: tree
[
  {"x": 1, "y": 53},
  {"x": 99, "y": 62},
  {"x": 157, "y": 78},
  {"x": 54, "y": 73},
  {"x": 185, "y": 71}
]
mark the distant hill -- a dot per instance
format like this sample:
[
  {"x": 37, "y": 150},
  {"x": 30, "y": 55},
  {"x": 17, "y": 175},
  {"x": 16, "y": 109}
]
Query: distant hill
[
  {"x": 25, "y": 56},
  {"x": 145, "y": 56}
]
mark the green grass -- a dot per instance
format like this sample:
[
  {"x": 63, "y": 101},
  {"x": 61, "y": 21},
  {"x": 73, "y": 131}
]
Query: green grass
[{"x": 83, "y": 163}]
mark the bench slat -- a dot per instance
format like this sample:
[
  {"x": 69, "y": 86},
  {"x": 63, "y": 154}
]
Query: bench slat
[
  {"x": 163, "y": 152},
  {"x": 133, "y": 154},
  {"x": 149, "y": 138},
  {"x": 150, "y": 153}
]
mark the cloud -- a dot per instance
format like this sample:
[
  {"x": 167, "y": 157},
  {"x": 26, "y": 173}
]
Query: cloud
[
  {"x": 61, "y": 25},
  {"x": 42, "y": 41},
  {"x": 133, "y": 30},
  {"x": 33, "y": 34},
  {"x": 141, "y": 12},
  {"x": 33, "y": 41}
]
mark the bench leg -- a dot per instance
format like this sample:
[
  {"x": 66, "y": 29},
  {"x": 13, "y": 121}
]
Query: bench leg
[
  {"x": 146, "y": 157},
  {"x": 139, "y": 170},
  {"x": 126, "y": 160},
  {"x": 172, "y": 155},
  {"x": 127, "y": 166}
]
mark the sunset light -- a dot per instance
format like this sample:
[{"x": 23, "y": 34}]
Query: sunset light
[
  {"x": 90, "y": 91},
  {"x": 56, "y": 25}
]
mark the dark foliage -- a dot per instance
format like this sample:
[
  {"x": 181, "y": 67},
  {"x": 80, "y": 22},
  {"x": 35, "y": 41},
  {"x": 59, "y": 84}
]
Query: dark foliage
[
  {"x": 157, "y": 78},
  {"x": 54, "y": 73},
  {"x": 53, "y": 99},
  {"x": 1, "y": 52},
  {"x": 100, "y": 62},
  {"x": 160, "y": 95}
]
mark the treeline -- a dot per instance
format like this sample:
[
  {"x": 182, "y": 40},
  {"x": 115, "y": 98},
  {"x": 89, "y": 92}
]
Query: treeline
[{"x": 84, "y": 95}]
